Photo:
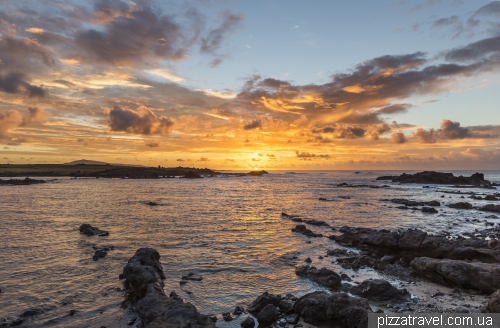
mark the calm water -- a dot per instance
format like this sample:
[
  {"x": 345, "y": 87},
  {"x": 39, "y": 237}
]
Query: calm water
[{"x": 229, "y": 230}]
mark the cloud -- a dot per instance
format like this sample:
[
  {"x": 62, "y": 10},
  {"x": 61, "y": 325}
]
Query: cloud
[
  {"x": 452, "y": 130},
  {"x": 398, "y": 138},
  {"x": 8, "y": 120},
  {"x": 35, "y": 30},
  {"x": 341, "y": 131},
  {"x": 253, "y": 125},
  {"x": 35, "y": 115},
  {"x": 203, "y": 159},
  {"x": 180, "y": 160},
  {"x": 14, "y": 83},
  {"x": 396, "y": 108},
  {"x": 218, "y": 94},
  {"x": 443, "y": 22},
  {"x": 214, "y": 38},
  {"x": 485, "y": 50},
  {"x": 309, "y": 156},
  {"x": 136, "y": 33},
  {"x": 426, "y": 136},
  {"x": 153, "y": 144},
  {"x": 140, "y": 121}
]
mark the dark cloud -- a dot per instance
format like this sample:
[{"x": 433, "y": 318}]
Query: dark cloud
[
  {"x": 308, "y": 156},
  {"x": 341, "y": 131},
  {"x": 14, "y": 83},
  {"x": 134, "y": 34},
  {"x": 491, "y": 9},
  {"x": 203, "y": 159},
  {"x": 487, "y": 50},
  {"x": 180, "y": 160},
  {"x": 398, "y": 137},
  {"x": 153, "y": 144},
  {"x": 452, "y": 130},
  {"x": 253, "y": 125},
  {"x": 141, "y": 121},
  {"x": 426, "y": 136},
  {"x": 443, "y": 22},
  {"x": 211, "y": 43},
  {"x": 396, "y": 108}
]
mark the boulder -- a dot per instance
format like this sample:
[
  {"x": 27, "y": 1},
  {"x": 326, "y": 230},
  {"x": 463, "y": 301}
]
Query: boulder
[
  {"x": 494, "y": 302},
  {"x": 379, "y": 290},
  {"x": 323, "y": 276},
  {"x": 300, "y": 228},
  {"x": 463, "y": 274},
  {"x": 248, "y": 322},
  {"x": 260, "y": 302},
  {"x": 89, "y": 230},
  {"x": 491, "y": 208},
  {"x": 428, "y": 210},
  {"x": 461, "y": 205},
  {"x": 267, "y": 315},
  {"x": 144, "y": 279},
  {"x": 320, "y": 308}
]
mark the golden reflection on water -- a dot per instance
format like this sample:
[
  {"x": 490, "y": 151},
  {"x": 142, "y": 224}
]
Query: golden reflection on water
[{"x": 230, "y": 230}]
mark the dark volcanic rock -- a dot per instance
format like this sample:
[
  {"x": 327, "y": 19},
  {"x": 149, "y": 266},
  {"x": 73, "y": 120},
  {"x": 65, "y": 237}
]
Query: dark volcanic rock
[
  {"x": 494, "y": 302},
  {"x": 300, "y": 228},
  {"x": 429, "y": 209},
  {"x": 89, "y": 230},
  {"x": 461, "y": 205},
  {"x": 379, "y": 290},
  {"x": 416, "y": 243},
  {"x": 248, "y": 322},
  {"x": 260, "y": 302},
  {"x": 322, "y": 308},
  {"x": 286, "y": 306},
  {"x": 491, "y": 208},
  {"x": 238, "y": 310},
  {"x": 226, "y": 316},
  {"x": 267, "y": 315},
  {"x": 323, "y": 276},
  {"x": 21, "y": 182},
  {"x": 463, "y": 274},
  {"x": 192, "y": 276},
  {"x": 144, "y": 279},
  {"x": 476, "y": 179},
  {"x": 192, "y": 175}
]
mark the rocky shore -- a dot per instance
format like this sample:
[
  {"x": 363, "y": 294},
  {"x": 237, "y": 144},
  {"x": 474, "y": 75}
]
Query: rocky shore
[{"x": 432, "y": 177}]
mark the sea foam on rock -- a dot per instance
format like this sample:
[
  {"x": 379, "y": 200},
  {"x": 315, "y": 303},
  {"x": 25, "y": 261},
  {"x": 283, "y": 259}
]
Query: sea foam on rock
[{"x": 144, "y": 279}]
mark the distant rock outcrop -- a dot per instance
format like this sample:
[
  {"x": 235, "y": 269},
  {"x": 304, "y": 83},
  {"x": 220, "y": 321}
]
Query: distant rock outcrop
[
  {"x": 257, "y": 173},
  {"x": 432, "y": 177}
]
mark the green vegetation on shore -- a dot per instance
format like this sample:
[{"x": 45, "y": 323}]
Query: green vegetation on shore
[{"x": 99, "y": 171}]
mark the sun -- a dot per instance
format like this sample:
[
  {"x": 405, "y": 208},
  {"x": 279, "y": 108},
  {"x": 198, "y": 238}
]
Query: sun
[{"x": 255, "y": 168}]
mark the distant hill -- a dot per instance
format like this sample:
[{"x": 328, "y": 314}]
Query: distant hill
[{"x": 86, "y": 162}]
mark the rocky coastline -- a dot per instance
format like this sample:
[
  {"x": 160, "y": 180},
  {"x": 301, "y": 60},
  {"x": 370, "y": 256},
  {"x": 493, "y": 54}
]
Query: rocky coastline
[{"x": 418, "y": 272}]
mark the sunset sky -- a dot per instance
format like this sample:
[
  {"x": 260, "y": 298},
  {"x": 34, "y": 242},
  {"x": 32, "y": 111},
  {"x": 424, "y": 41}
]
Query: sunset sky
[{"x": 274, "y": 85}]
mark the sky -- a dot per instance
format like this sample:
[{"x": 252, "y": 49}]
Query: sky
[{"x": 240, "y": 85}]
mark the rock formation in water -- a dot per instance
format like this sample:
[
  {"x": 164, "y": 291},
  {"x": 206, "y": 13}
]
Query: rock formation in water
[
  {"x": 467, "y": 263},
  {"x": 432, "y": 177},
  {"x": 144, "y": 279},
  {"x": 89, "y": 230}
]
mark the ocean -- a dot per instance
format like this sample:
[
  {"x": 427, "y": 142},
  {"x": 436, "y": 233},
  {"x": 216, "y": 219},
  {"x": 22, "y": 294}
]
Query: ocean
[{"x": 227, "y": 229}]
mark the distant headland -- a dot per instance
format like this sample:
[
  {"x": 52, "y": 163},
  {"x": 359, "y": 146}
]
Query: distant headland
[{"x": 95, "y": 169}]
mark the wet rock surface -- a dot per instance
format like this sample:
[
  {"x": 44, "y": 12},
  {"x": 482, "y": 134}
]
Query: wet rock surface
[
  {"x": 89, "y": 230},
  {"x": 300, "y": 228},
  {"x": 379, "y": 290},
  {"x": 319, "y": 308},
  {"x": 144, "y": 279},
  {"x": 324, "y": 277}
]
